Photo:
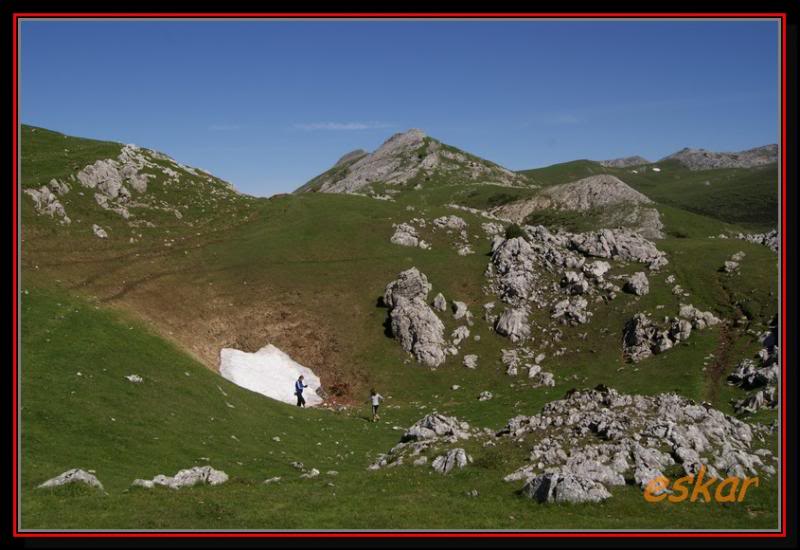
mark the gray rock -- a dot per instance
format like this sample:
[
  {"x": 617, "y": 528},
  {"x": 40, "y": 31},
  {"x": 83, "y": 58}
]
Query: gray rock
[
  {"x": 439, "y": 303},
  {"x": 99, "y": 232},
  {"x": 405, "y": 235},
  {"x": 564, "y": 488},
  {"x": 769, "y": 239},
  {"x": 409, "y": 284},
  {"x": 186, "y": 478},
  {"x": 75, "y": 475},
  {"x": 637, "y": 284},
  {"x": 45, "y": 202},
  {"x": 459, "y": 309},
  {"x": 471, "y": 361},
  {"x": 454, "y": 458},
  {"x": 701, "y": 159},
  {"x": 459, "y": 335},
  {"x": 571, "y": 311},
  {"x": 514, "y": 324}
]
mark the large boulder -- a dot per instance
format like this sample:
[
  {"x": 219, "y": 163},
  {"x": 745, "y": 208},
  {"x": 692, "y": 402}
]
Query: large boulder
[
  {"x": 409, "y": 284},
  {"x": 405, "y": 235},
  {"x": 564, "y": 488},
  {"x": 418, "y": 329},
  {"x": 637, "y": 284},
  {"x": 514, "y": 324}
]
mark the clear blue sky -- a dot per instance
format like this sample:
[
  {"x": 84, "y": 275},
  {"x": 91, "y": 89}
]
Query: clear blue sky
[{"x": 268, "y": 105}]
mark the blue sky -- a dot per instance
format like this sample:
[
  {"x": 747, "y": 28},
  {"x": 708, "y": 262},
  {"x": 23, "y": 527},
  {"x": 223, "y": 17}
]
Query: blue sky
[{"x": 267, "y": 104}]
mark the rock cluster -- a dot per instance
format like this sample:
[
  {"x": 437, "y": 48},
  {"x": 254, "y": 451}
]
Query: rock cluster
[
  {"x": 185, "y": 478},
  {"x": 431, "y": 430},
  {"x": 45, "y": 200},
  {"x": 604, "y": 437},
  {"x": 619, "y": 244},
  {"x": 413, "y": 322},
  {"x": 761, "y": 374},
  {"x": 769, "y": 239},
  {"x": 642, "y": 338}
]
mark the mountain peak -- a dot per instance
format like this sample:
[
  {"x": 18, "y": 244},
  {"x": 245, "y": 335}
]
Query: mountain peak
[
  {"x": 703, "y": 159},
  {"x": 406, "y": 156}
]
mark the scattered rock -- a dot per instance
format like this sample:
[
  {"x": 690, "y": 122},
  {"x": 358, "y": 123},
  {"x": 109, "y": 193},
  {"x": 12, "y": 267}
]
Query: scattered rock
[
  {"x": 99, "y": 232},
  {"x": 185, "y": 478},
  {"x": 75, "y": 475}
]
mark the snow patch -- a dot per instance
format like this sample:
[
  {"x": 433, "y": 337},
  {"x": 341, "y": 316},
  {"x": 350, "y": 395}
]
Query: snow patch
[{"x": 270, "y": 372}]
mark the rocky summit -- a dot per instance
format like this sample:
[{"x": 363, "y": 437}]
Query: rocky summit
[
  {"x": 406, "y": 157},
  {"x": 701, "y": 159}
]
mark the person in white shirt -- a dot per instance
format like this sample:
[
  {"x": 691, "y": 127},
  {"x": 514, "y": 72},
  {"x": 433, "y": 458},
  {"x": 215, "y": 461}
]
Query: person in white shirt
[{"x": 376, "y": 399}]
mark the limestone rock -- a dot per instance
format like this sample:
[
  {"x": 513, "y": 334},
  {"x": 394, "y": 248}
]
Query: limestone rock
[
  {"x": 564, "y": 488},
  {"x": 455, "y": 458},
  {"x": 637, "y": 284},
  {"x": 75, "y": 475}
]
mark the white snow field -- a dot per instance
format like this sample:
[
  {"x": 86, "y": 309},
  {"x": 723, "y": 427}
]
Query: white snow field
[{"x": 270, "y": 372}]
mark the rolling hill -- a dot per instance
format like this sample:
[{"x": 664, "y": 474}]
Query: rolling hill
[{"x": 195, "y": 267}]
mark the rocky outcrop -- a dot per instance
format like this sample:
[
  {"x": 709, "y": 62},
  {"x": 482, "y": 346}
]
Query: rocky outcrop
[
  {"x": 618, "y": 244},
  {"x": 454, "y": 458},
  {"x": 642, "y": 338},
  {"x": 564, "y": 488},
  {"x": 624, "y": 162},
  {"x": 412, "y": 321},
  {"x": 514, "y": 324},
  {"x": 603, "y": 194},
  {"x": 185, "y": 478},
  {"x": 405, "y": 235},
  {"x": 571, "y": 311},
  {"x": 75, "y": 475},
  {"x": 701, "y": 159},
  {"x": 769, "y": 239},
  {"x": 607, "y": 438},
  {"x": 761, "y": 373},
  {"x": 431, "y": 430},
  {"x": 45, "y": 200}
]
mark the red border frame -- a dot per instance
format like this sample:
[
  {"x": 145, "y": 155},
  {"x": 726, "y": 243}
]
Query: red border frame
[{"x": 404, "y": 534}]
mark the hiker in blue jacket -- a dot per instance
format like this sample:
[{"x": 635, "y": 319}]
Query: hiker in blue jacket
[{"x": 298, "y": 391}]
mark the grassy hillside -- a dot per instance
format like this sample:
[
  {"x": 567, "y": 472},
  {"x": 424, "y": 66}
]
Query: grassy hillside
[
  {"x": 746, "y": 197},
  {"x": 305, "y": 272}
]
